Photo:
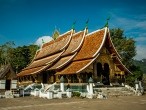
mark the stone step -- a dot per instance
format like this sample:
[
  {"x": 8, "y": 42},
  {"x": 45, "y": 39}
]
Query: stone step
[{"x": 115, "y": 91}]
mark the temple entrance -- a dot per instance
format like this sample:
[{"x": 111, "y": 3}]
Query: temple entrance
[
  {"x": 99, "y": 69},
  {"x": 8, "y": 84},
  {"x": 105, "y": 73},
  {"x": 45, "y": 78}
]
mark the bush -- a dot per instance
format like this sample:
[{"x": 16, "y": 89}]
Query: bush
[
  {"x": 130, "y": 79},
  {"x": 76, "y": 94}
]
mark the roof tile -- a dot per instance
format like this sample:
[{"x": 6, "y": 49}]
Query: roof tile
[
  {"x": 62, "y": 62},
  {"x": 55, "y": 46},
  {"x": 75, "y": 44},
  {"x": 31, "y": 71},
  {"x": 44, "y": 61},
  {"x": 74, "y": 67},
  {"x": 91, "y": 45}
]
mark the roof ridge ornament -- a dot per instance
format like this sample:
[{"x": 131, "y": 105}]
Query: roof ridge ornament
[
  {"x": 73, "y": 25},
  {"x": 56, "y": 33},
  {"x": 106, "y": 24},
  {"x": 43, "y": 41},
  {"x": 86, "y": 25}
]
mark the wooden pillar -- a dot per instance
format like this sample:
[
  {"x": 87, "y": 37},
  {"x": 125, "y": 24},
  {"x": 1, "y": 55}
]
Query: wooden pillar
[
  {"x": 23, "y": 78},
  {"x": 94, "y": 70},
  {"x": 68, "y": 78},
  {"x": 79, "y": 78},
  {"x": 20, "y": 79},
  {"x": 57, "y": 78},
  {"x": 26, "y": 77},
  {"x": 35, "y": 78},
  {"x": 29, "y": 77}
]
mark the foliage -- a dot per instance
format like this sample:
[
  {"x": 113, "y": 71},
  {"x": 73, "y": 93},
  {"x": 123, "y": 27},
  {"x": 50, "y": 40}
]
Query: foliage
[
  {"x": 76, "y": 94},
  {"x": 137, "y": 74},
  {"x": 5, "y": 52},
  {"x": 141, "y": 64},
  {"x": 125, "y": 46},
  {"x": 18, "y": 57},
  {"x": 127, "y": 50},
  {"x": 22, "y": 56}
]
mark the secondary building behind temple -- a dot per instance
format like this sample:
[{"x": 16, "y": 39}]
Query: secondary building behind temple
[{"x": 76, "y": 56}]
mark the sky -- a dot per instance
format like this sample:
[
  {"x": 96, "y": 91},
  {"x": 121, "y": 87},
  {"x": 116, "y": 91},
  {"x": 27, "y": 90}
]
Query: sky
[{"x": 26, "y": 21}]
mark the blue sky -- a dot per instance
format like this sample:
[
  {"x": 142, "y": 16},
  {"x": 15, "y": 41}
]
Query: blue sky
[{"x": 24, "y": 21}]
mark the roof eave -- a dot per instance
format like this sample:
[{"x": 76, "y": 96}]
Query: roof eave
[
  {"x": 68, "y": 40},
  {"x": 88, "y": 64},
  {"x": 103, "y": 42},
  {"x": 123, "y": 65},
  {"x": 80, "y": 42},
  {"x": 113, "y": 45}
]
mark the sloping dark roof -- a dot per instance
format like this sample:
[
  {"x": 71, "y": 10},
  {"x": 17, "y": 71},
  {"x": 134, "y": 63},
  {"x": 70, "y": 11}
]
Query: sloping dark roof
[{"x": 6, "y": 72}]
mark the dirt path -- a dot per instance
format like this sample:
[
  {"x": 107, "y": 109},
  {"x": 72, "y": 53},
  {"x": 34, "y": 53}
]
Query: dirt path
[{"x": 112, "y": 103}]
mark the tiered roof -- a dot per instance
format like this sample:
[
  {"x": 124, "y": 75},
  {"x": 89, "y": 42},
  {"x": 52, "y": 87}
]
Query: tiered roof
[
  {"x": 72, "y": 52},
  {"x": 49, "y": 53},
  {"x": 55, "y": 46}
]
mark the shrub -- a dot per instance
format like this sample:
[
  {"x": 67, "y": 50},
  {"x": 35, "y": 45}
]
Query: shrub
[{"x": 76, "y": 94}]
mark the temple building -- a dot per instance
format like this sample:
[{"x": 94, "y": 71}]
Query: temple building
[{"x": 76, "y": 56}]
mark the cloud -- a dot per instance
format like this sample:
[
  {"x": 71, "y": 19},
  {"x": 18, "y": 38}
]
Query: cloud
[
  {"x": 39, "y": 41},
  {"x": 134, "y": 26},
  {"x": 129, "y": 23},
  {"x": 140, "y": 47},
  {"x": 140, "y": 39},
  {"x": 141, "y": 53},
  {"x": 141, "y": 24}
]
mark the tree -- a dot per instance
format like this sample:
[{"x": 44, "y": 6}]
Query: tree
[
  {"x": 125, "y": 46},
  {"x": 32, "y": 50},
  {"x": 141, "y": 64},
  {"x": 127, "y": 50},
  {"x": 22, "y": 56},
  {"x": 6, "y": 52},
  {"x": 137, "y": 74},
  {"x": 18, "y": 57}
]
